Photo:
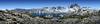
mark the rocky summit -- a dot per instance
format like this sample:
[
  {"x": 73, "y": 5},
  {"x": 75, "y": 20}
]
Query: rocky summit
[{"x": 75, "y": 15}]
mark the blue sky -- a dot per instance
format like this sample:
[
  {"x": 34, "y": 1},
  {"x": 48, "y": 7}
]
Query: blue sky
[{"x": 28, "y": 4}]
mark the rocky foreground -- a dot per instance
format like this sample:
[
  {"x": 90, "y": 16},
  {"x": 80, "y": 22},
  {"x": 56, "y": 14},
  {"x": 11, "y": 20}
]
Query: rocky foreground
[{"x": 10, "y": 17}]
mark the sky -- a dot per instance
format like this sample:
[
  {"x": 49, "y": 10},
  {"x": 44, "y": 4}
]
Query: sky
[{"x": 29, "y": 4}]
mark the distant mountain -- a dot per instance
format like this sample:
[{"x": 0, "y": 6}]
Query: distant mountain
[
  {"x": 22, "y": 10},
  {"x": 74, "y": 9}
]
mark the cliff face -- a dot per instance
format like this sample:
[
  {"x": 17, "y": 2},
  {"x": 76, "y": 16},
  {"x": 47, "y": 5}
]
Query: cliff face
[{"x": 8, "y": 17}]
